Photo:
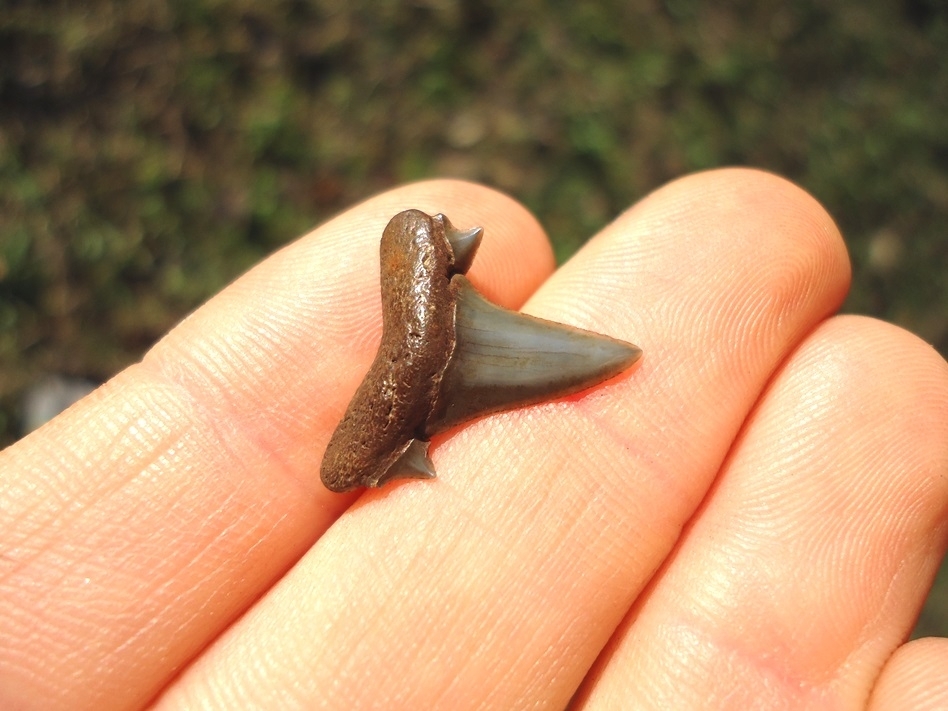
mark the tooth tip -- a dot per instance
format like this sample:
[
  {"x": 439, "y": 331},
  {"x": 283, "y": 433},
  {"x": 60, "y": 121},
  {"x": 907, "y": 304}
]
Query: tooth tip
[
  {"x": 608, "y": 356},
  {"x": 632, "y": 353},
  {"x": 464, "y": 244},
  {"x": 414, "y": 463}
]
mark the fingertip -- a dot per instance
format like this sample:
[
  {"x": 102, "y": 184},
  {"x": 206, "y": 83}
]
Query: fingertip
[
  {"x": 889, "y": 376},
  {"x": 747, "y": 206},
  {"x": 915, "y": 677}
]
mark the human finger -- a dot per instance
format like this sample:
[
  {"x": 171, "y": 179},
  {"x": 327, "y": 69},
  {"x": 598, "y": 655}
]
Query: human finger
[
  {"x": 915, "y": 677},
  {"x": 809, "y": 562},
  {"x": 140, "y": 523}
]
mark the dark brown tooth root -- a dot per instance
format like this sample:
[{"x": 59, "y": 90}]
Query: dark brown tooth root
[
  {"x": 391, "y": 406},
  {"x": 448, "y": 356}
]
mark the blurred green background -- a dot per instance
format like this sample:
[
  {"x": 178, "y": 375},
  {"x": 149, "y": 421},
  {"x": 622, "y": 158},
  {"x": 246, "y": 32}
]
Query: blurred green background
[{"x": 152, "y": 151}]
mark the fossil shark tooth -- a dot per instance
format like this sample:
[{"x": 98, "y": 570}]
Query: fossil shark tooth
[{"x": 448, "y": 356}]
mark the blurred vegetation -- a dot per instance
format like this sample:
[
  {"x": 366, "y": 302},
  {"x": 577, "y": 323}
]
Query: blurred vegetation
[{"x": 151, "y": 151}]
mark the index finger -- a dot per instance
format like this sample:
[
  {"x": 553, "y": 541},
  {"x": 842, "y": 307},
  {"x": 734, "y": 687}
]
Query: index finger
[{"x": 141, "y": 522}]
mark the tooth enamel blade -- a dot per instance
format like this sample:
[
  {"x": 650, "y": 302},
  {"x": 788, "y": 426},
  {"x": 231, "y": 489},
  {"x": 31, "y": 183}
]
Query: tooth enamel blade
[
  {"x": 414, "y": 463},
  {"x": 504, "y": 359},
  {"x": 464, "y": 243}
]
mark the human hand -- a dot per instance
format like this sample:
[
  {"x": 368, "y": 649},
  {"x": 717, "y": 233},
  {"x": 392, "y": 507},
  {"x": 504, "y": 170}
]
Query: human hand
[{"x": 750, "y": 518}]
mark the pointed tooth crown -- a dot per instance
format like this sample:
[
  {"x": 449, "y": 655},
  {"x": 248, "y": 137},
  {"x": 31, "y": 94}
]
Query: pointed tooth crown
[
  {"x": 464, "y": 243},
  {"x": 504, "y": 359}
]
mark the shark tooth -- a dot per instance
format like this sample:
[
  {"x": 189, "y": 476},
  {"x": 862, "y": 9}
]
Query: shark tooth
[{"x": 449, "y": 356}]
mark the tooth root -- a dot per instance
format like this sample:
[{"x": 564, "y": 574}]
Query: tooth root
[
  {"x": 413, "y": 463},
  {"x": 504, "y": 359},
  {"x": 464, "y": 244}
]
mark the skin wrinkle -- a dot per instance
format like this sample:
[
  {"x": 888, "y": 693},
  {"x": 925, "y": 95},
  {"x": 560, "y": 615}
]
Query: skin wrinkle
[
  {"x": 564, "y": 536},
  {"x": 208, "y": 600},
  {"x": 612, "y": 585},
  {"x": 271, "y": 347},
  {"x": 68, "y": 569},
  {"x": 507, "y": 622},
  {"x": 63, "y": 490},
  {"x": 834, "y": 555},
  {"x": 500, "y": 432},
  {"x": 216, "y": 365},
  {"x": 769, "y": 295},
  {"x": 68, "y": 515},
  {"x": 600, "y": 311},
  {"x": 266, "y": 670},
  {"x": 868, "y": 636},
  {"x": 595, "y": 489},
  {"x": 504, "y": 434},
  {"x": 146, "y": 629},
  {"x": 890, "y": 597},
  {"x": 381, "y": 578},
  {"x": 299, "y": 299},
  {"x": 226, "y": 422},
  {"x": 364, "y": 644},
  {"x": 169, "y": 582},
  {"x": 514, "y": 614}
]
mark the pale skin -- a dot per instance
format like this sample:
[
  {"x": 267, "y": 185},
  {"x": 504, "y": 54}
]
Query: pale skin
[{"x": 750, "y": 518}]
